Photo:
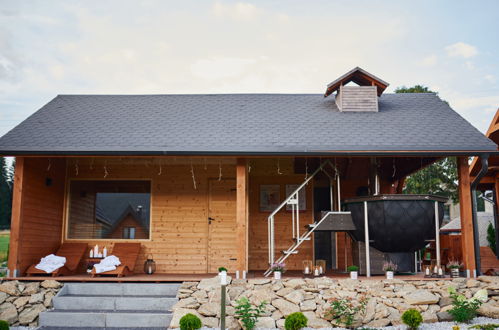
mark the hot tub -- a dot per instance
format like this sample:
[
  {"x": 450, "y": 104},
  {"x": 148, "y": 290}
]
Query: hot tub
[{"x": 397, "y": 223}]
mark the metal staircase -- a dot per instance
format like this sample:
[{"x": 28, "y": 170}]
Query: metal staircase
[{"x": 294, "y": 201}]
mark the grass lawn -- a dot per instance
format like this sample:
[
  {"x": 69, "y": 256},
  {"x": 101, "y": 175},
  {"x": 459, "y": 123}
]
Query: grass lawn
[{"x": 4, "y": 245}]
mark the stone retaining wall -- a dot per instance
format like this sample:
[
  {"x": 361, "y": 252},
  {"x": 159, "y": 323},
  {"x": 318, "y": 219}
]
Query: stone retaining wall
[
  {"x": 387, "y": 299},
  {"x": 22, "y": 302}
]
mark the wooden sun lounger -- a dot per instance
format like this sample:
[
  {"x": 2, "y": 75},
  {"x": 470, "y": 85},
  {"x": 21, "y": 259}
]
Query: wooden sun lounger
[
  {"x": 128, "y": 254},
  {"x": 73, "y": 252}
]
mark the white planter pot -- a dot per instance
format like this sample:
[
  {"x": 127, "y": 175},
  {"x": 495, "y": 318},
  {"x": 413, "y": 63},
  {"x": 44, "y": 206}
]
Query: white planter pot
[
  {"x": 277, "y": 275},
  {"x": 389, "y": 275},
  {"x": 354, "y": 275},
  {"x": 223, "y": 277}
]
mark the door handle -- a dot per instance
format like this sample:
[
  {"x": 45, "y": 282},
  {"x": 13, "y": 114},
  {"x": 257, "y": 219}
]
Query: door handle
[{"x": 210, "y": 219}]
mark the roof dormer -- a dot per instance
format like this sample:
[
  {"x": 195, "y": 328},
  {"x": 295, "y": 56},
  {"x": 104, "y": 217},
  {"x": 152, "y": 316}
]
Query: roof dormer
[{"x": 361, "y": 98}]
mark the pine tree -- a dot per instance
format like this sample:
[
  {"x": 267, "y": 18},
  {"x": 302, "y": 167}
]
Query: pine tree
[{"x": 6, "y": 176}]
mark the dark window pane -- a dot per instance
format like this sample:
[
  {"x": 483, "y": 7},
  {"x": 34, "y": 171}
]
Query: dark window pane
[{"x": 109, "y": 209}]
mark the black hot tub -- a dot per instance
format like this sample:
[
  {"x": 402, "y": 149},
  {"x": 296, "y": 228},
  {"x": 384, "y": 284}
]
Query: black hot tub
[{"x": 397, "y": 223}]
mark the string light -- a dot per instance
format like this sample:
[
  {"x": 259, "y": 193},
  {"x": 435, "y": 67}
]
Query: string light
[
  {"x": 76, "y": 168},
  {"x": 49, "y": 165},
  {"x": 306, "y": 168},
  {"x": 220, "y": 171},
  {"x": 394, "y": 169},
  {"x": 160, "y": 169},
  {"x": 249, "y": 167},
  {"x": 193, "y": 177},
  {"x": 92, "y": 164},
  {"x": 105, "y": 169},
  {"x": 205, "y": 167},
  {"x": 278, "y": 167}
]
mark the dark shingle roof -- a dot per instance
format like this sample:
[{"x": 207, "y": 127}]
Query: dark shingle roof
[{"x": 240, "y": 123}]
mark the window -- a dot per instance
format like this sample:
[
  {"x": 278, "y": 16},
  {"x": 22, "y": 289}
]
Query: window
[
  {"x": 129, "y": 232},
  {"x": 109, "y": 209}
]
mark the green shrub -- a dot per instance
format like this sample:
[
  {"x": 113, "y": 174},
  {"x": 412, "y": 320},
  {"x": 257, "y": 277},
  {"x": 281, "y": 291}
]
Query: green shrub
[
  {"x": 249, "y": 314},
  {"x": 353, "y": 268},
  {"x": 463, "y": 310},
  {"x": 490, "y": 326},
  {"x": 295, "y": 321},
  {"x": 222, "y": 269},
  {"x": 190, "y": 322},
  {"x": 491, "y": 237},
  {"x": 4, "y": 325},
  {"x": 412, "y": 318},
  {"x": 343, "y": 311}
]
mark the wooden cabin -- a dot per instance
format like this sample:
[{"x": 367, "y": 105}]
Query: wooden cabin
[{"x": 196, "y": 178}]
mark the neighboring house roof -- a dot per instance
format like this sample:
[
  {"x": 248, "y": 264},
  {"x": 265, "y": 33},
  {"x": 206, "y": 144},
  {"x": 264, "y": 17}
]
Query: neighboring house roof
[
  {"x": 114, "y": 208},
  {"x": 483, "y": 223},
  {"x": 241, "y": 124}
]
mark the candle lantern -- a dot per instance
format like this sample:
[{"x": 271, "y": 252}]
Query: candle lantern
[
  {"x": 321, "y": 265},
  {"x": 307, "y": 267},
  {"x": 149, "y": 265}
]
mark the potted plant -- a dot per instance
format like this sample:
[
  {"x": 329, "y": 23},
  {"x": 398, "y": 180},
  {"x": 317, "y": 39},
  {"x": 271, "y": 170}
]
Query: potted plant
[
  {"x": 278, "y": 268},
  {"x": 222, "y": 270},
  {"x": 454, "y": 267},
  {"x": 389, "y": 268},
  {"x": 222, "y": 273},
  {"x": 354, "y": 271}
]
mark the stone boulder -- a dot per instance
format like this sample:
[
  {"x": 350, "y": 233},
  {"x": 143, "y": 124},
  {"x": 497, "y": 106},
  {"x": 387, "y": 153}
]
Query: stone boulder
[
  {"x": 489, "y": 310},
  {"x": 265, "y": 323},
  {"x": 29, "y": 314},
  {"x": 51, "y": 284},
  {"x": 31, "y": 288},
  {"x": 296, "y": 297},
  {"x": 10, "y": 288},
  {"x": 212, "y": 283},
  {"x": 8, "y": 312},
  {"x": 422, "y": 297},
  {"x": 285, "y": 307},
  {"x": 315, "y": 322},
  {"x": 209, "y": 309}
]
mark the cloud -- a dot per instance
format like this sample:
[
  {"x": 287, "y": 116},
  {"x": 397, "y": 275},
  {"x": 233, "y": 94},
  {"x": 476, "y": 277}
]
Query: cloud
[
  {"x": 217, "y": 68},
  {"x": 490, "y": 78},
  {"x": 461, "y": 49},
  {"x": 239, "y": 11},
  {"x": 429, "y": 61}
]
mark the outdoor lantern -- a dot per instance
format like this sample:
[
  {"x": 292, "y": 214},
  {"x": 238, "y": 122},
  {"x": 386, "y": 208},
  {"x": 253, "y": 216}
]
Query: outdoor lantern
[
  {"x": 308, "y": 266},
  {"x": 149, "y": 265},
  {"x": 321, "y": 264}
]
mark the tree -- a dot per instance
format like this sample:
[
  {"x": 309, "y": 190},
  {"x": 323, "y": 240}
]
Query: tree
[
  {"x": 439, "y": 178},
  {"x": 6, "y": 177},
  {"x": 491, "y": 237}
]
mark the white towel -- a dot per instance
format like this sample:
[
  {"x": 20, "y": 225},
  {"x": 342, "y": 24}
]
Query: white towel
[
  {"x": 51, "y": 263},
  {"x": 107, "y": 264},
  {"x": 103, "y": 268}
]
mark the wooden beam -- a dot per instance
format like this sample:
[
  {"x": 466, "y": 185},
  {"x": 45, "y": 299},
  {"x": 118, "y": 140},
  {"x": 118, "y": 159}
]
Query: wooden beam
[
  {"x": 242, "y": 213},
  {"x": 465, "y": 201},
  {"x": 16, "y": 218}
]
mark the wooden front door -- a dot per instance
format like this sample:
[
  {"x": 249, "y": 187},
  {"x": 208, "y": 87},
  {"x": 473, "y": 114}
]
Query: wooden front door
[{"x": 222, "y": 225}]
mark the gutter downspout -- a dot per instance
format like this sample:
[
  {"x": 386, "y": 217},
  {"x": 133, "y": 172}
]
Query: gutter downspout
[{"x": 476, "y": 237}]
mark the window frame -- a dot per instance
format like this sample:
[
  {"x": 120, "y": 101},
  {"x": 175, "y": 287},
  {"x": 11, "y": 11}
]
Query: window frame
[{"x": 67, "y": 196}]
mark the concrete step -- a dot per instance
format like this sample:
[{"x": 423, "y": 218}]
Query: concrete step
[
  {"x": 121, "y": 303},
  {"x": 94, "y": 328},
  {"x": 104, "y": 319},
  {"x": 120, "y": 289}
]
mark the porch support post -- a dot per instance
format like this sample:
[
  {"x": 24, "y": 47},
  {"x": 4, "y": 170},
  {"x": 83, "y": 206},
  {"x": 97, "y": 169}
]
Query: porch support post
[
  {"x": 467, "y": 245},
  {"x": 366, "y": 238},
  {"x": 496, "y": 211},
  {"x": 15, "y": 225},
  {"x": 242, "y": 214}
]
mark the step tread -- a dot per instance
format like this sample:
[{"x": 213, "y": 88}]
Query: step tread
[
  {"x": 95, "y": 328},
  {"x": 116, "y": 296}
]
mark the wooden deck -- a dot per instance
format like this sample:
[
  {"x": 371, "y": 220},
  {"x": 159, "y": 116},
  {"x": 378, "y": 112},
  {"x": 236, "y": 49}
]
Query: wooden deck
[{"x": 159, "y": 278}]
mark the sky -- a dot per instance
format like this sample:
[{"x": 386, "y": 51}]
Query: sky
[{"x": 161, "y": 47}]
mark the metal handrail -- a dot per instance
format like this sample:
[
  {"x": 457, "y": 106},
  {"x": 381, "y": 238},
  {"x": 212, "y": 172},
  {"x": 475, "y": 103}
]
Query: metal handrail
[{"x": 295, "y": 209}]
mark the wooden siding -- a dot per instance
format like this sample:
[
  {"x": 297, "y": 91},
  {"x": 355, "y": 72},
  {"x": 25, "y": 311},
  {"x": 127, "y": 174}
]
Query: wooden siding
[
  {"x": 357, "y": 98},
  {"x": 264, "y": 172},
  {"x": 37, "y": 223},
  {"x": 468, "y": 249},
  {"x": 179, "y": 240}
]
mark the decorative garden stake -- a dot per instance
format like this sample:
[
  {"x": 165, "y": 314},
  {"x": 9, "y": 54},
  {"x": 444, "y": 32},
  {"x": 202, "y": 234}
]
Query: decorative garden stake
[{"x": 223, "y": 282}]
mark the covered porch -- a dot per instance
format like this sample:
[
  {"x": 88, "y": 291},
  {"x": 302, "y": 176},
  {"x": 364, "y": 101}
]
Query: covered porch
[{"x": 195, "y": 214}]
